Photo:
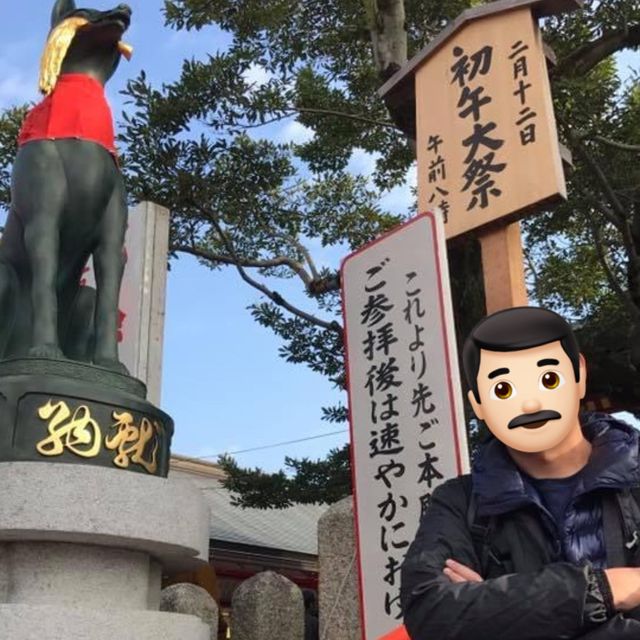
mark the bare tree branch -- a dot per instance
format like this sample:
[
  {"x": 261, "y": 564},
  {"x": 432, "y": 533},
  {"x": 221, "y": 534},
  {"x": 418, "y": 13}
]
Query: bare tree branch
[
  {"x": 295, "y": 241},
  {"x": 278, "y": 261},
  {"x": 350, "y": 116},
  {"x": 633, "y": 148},
  {"x": 326, "y": 284},
  {"x": 533, "y": 271},
  {"x": 293, "y": 111},
  {"x": 386, "y": 21},
  {"x": 307, "y": 257},
  {"x": 586, "y": 57},
  {"x": 624, "y": 296},
  {"x": 274, "y": 296},
  {"x": 616, "y": 213}
]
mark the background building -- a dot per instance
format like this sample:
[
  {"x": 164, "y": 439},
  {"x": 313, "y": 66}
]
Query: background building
[{"x": 244, "y": 542}]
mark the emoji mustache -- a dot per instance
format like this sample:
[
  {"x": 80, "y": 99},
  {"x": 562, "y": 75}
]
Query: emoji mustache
[{"x": 530, "y": 418}]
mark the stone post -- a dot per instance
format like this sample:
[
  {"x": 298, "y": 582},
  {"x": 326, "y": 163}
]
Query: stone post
[
  {"x": 191, "y": 600},
  {"x": 267, "y": 607},
  {"x": 339, "y": 596}
]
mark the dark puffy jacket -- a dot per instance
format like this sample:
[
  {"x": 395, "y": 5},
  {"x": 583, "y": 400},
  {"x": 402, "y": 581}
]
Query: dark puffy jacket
[{"x": 543, "y": 584}]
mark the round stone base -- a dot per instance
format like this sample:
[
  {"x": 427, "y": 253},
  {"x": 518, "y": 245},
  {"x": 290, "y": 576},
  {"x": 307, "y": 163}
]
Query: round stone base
[
  {"x": 70, "y": 575},
  {"x": 82, "y": 550},
  {"x": 51, "y": 502},
  {"x": 25, "y": 622}
]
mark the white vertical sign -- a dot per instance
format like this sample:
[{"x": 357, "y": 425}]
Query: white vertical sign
[
  {"x": 142, "y": 295},
  {"x": 407, "y": 422}
]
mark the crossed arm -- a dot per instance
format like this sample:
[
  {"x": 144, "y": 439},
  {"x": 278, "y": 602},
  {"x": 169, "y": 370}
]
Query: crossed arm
[
  {"x": 457, "y": 572},
  {"x": 443, "y": 595},
  {"x": 624, "y": 582}
]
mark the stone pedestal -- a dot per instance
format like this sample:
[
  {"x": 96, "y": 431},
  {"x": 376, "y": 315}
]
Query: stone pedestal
[
  {"x": 194, "y": 601},
  {"x": 77, "y": 413},
  {"x": 338, "y": 589},
  {"x": 267, "y": 606},
  {"x": 82, "y": 550}
]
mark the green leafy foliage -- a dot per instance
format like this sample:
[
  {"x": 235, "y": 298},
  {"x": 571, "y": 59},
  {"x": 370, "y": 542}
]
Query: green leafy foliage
[
  {"x": 10, "y": 122},
  {"x": 307, "y": 482}
]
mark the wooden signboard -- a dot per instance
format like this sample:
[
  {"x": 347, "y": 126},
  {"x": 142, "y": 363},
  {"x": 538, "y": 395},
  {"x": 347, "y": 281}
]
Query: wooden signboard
[{"x": 487, "y": 141}]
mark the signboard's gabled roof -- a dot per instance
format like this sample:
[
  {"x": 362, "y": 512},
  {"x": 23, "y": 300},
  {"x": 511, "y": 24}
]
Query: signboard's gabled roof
[{"x": 399, "y": 92}]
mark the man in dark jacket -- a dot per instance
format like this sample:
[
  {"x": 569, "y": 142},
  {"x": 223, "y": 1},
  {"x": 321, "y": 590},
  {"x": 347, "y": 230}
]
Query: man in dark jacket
[{"x": 548, "y": 485}]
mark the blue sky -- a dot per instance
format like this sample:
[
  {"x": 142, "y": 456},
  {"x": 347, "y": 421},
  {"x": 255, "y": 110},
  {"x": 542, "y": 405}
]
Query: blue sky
[{"x": 224, "y": 383}]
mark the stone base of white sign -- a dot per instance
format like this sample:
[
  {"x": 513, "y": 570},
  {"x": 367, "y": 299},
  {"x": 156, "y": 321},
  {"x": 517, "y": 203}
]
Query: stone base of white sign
[
  {"x": 339, "y": 595},
  {"x": 82, "y": 551}
]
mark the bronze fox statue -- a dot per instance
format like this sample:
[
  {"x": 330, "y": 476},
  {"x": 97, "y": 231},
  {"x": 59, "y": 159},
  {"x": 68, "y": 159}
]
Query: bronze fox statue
[{"x": 68, "y": 200}]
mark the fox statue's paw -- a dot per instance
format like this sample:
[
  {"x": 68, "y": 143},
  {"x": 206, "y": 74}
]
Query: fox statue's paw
[
  {"x": 48, "y": 351},
  {"x": 111, "y": 364}
]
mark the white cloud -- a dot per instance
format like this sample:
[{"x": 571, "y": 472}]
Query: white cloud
[
  {"x": 362, "y": 163},
  {"x": 256, "y": 75},
  {"x": 294, "y": 132},
  {"x": 401, "y": 198}
]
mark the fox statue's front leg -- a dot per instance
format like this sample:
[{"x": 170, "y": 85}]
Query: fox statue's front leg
[{"x": 39, "y": 194}]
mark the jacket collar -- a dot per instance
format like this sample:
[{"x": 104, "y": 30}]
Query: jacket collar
[{"x": 614, "y": 463}]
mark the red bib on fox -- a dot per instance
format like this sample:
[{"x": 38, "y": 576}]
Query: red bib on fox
[{"x": 77, "y": 108}]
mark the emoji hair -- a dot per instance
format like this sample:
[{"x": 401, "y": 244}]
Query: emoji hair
[{"x": 513, "y": 330}]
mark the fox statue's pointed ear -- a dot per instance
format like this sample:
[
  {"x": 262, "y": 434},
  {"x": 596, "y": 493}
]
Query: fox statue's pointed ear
[{"x": 60, "y": 9}]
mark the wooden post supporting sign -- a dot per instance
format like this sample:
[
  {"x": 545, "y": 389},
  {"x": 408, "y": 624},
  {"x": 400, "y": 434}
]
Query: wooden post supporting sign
[{"x": 503, "y": 267}]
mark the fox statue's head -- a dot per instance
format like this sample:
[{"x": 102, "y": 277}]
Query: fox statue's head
[{"x": 84, "y": 41}]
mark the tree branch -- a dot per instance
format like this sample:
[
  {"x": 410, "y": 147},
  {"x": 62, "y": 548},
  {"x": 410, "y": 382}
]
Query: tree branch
[
  {"x": 293, "y": 111},
  {"x": 633, "y": 148},
  {"x": 617, "y": 215},
  {"x": 274, "y": 296},
  {"x": 386, "y": 21},
  {"x": 586, "y": 57},
  {"x": 624, "y": 296},
  {"x": 533, "y": 271},
  {"x": 295, "y": 241},
  {"x": 349, "y": 116},
  {"x": 307, "y": 257},
  {"x": 278, "y": 261}
]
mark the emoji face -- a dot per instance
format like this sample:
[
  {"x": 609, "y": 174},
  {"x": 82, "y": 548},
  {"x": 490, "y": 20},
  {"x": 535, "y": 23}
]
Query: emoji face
[{"x": 529, "y": 399}]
